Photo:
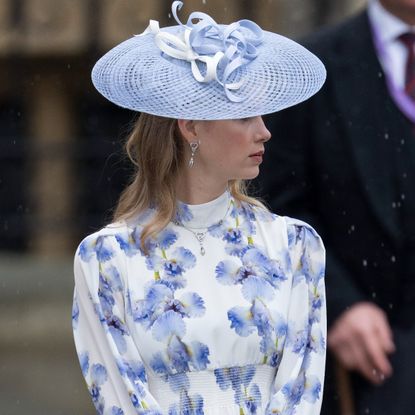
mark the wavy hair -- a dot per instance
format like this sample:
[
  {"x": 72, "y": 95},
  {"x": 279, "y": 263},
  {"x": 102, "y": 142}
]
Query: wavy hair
[{"x": 157, "y": 150}]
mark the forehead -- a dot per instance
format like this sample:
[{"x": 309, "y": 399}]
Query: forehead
[{"x": 210, "y": 125}]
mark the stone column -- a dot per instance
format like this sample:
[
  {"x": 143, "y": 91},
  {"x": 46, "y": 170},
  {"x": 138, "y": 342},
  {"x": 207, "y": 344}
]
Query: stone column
[{"x": 51, "y": 170}]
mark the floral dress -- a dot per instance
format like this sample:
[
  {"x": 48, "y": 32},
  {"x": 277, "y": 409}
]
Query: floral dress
[{"x": 224, "y": 315}]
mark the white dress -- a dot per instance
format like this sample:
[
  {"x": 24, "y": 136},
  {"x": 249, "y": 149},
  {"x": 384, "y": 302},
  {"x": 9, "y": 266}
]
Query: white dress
[{"x": 235, "y": 330}]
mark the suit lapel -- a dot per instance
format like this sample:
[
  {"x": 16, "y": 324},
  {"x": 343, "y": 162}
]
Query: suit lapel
[{"x": 369, "y": 120}]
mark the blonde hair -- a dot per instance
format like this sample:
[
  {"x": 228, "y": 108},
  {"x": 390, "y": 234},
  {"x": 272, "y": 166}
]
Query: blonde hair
[{"x": 157, "y": 149}]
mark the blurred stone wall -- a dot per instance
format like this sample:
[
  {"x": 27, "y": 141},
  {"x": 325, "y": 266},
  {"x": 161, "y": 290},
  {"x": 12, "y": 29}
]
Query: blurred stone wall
[{"x": 50, "y": 159}]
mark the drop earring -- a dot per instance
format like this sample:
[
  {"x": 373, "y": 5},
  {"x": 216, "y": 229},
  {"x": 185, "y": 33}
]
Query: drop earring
[{"x": 194, "y": 145}]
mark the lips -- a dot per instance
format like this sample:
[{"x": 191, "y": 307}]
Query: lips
[{"x": 259, "y": 154}]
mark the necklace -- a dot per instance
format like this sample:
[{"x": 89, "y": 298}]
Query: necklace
[{"x": 201, "y": 235}]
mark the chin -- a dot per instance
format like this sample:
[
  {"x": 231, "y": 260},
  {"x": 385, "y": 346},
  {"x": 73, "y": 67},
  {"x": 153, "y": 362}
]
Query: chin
[{"x": 249, "y": 175}]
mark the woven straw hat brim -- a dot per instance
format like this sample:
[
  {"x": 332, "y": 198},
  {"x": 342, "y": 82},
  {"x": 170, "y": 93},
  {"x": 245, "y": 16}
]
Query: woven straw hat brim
[{"x": 136, "y": 75}]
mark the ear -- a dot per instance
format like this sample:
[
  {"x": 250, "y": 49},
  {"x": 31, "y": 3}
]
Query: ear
[{"x": 187, "y": 129}]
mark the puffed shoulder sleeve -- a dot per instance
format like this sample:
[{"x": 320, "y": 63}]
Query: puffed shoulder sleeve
[
  {"x": 108, "y": 356},
  {"x": 298, "y": 385}
]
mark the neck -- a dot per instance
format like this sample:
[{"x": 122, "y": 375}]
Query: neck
[
  {"x": 195, "y": 188},
  {"x": 402, "y": 12}
]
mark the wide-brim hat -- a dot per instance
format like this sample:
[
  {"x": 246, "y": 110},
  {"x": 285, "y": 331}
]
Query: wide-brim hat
[{"x": 206, "y": 71}]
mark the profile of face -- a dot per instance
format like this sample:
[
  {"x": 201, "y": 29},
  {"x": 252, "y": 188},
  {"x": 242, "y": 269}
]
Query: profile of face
[{"x": 228, "y": 149}]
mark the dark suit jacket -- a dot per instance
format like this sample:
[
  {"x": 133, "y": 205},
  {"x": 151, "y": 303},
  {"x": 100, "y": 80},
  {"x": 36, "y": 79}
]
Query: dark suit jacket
[{"x": 344, "y": 162}]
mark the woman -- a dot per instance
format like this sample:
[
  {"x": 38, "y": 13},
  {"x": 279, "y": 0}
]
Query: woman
[{"x": 197, "y": 300}]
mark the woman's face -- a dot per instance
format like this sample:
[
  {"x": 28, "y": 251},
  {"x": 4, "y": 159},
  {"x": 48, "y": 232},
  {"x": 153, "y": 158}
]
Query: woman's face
[{"x": 231, "y": 149}]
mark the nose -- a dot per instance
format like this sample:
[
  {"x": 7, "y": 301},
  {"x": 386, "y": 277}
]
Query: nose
[{"x": 262, "y": 133}]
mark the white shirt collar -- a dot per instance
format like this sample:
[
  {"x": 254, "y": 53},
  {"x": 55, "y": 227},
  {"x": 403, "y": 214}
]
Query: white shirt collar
[
  {"x": 206, "y": 214},
  {"x": 389, "y": 27}
]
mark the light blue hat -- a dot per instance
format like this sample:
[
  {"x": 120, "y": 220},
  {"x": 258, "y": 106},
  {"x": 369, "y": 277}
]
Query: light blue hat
[{"x": 206, "y": 71}]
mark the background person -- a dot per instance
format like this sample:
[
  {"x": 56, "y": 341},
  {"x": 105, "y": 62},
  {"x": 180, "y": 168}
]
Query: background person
[{"x": 345, "y": 162}]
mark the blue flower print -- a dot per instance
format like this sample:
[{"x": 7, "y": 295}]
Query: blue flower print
[
  {"x": 316, "y": 300},
  {"x": 305, "y": 271},
  {"x": 258, "y": 278},
  {"x": 160, "y": 299},
  {"x": 109, "y": 283},
  {"x": 233, "y": 236},
  {"x": 162, "y": 312},
  {"x": 257, "y": 263},
  {"x": 317, "y": 342},
  {"x": 97, "y": 400},
  {"x": 179, "y": 356},
  {"x": 199, "y": 354},
  {"x": 183, "y": 213},
  {"x": 167, "y": 325},
  {"x": 116, "y": 411},
  {"x": 236, "y": 230},
  {"x": 129, "y": 242},
  {"x": 172, "y": 267},
  {"x": 241, "y": 320},
  {"x": 75, "y": 313},
  {"x": 117, "y": 329},
  {"x": 193, "y": 305},
  {"x": 247, "y": 213},
  {"x": 227, "y": 272},
  {"x": 254, "y": 263},
  {"x": 312, "y": 389},
  {"x": 252, "y": 400},
  {"x": 84, "y": 362},
  {"x": 106, "y": 298},
  {"x": 188, "y": 405},
  {"x": 100, "y": 247},
  {"x": 180, "y": 261},
  {"x": 134, "y": 370},
  {"x": 294, "y": 390},
  {"x": 261, "y": 318},
  {"x": 245, "y": 320},
  {"x": 139, "y": 405},
  {"x": 273, "y": 341},
  {"x": 178, "y": 382},
  {"x": 239, "y": 378},
  {"x": 297, "y": 339},
  {"x": 98, "y": 374},
  {"x": 307, "y": 388},
  {"x": 272, "y": 349},
  {"x": 112, "y": 278},
  {"x": 254, "y": 287},
  {"x": 166, "y": 238},
  {"x": 160, "y": 365},
  {"x": 157, "y": 296}
]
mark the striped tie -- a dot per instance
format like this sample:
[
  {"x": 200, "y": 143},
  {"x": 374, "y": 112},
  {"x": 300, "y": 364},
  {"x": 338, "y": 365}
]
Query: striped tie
[{"x": 408, "y": 39}]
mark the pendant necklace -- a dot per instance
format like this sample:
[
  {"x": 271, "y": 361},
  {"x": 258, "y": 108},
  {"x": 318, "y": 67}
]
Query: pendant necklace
[{"x": 201, "y": 235}]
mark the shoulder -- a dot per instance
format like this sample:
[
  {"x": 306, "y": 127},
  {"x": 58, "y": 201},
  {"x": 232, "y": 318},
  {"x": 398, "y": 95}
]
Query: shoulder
[
  {"x": 101, "y": 245},
  {"x": 302, "y": 234},
  {"x": 262, "y": 216}
]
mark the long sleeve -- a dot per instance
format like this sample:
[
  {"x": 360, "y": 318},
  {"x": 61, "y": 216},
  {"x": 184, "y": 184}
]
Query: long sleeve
[
  {"x": 108, "y": 356},
  {"x": 297, "y": 389}
]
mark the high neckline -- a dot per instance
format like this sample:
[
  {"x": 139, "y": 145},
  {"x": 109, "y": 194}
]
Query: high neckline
[{"x": 203, "y": 215}]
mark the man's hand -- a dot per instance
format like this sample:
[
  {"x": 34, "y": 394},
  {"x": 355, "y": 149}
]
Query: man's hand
[{"x": 361, "y": 340}]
